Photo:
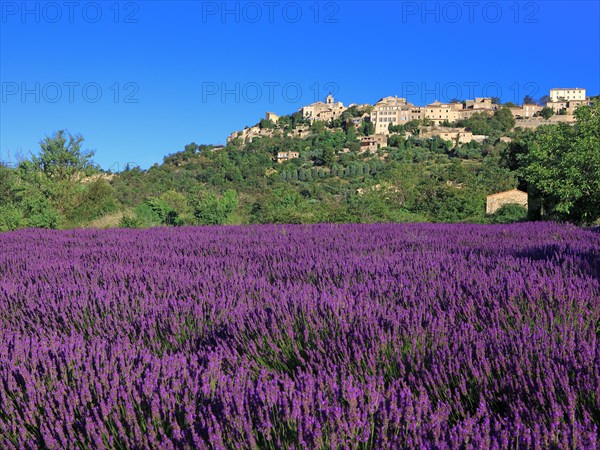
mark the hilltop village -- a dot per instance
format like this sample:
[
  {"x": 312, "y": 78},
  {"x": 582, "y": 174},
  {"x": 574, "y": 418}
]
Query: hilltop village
[
  {"x": 391, "y": 115},
  {"x": 475, "y": 161}
]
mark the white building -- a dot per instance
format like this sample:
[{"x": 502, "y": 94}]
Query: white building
[{"x": 567, "y": 94}]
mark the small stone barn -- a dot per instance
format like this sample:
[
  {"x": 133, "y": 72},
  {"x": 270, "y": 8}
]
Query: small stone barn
[{"x": 496, "y": 201}]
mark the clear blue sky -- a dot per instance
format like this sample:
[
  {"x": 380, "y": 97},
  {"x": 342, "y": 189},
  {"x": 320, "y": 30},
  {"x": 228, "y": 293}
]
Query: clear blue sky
[{"x": 140, "y": 80}]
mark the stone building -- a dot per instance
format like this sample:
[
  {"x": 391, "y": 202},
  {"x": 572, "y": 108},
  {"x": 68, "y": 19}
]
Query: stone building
[
  {"x": 567, "y": 106},
  {"x": 495, "y": 201},
  {"x": 323, "y": 111},
  {"x": 442, "y": 112},
  {"x": 526, "y": 111},
  {"x": 372, "y": 143},
  {"x": 455, "y": 135},
  {"x": 480, "y": 103},
  {"x": 394, "y": 111},
  {"x": 272, "y": 117}
]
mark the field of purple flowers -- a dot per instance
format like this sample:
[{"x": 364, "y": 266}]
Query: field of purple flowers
[{"x": 324, "y": 336}]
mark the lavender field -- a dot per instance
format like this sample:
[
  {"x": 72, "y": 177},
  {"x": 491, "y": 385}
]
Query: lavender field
[{"x": 324, "y": 336}]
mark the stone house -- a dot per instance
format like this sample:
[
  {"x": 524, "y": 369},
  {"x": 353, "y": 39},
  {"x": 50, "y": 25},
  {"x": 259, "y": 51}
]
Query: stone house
[
  {"x": 496, "y": 201},
  {"x": 526, "y": 111},
  {"x": 480, "y": 103},
  {"x": 372, "y": 143}
]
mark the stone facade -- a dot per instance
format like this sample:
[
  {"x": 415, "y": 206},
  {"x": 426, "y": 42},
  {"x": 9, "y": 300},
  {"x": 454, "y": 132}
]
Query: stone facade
[
  {"x": 272, "y": 117},
  {"x": 395, "y": 111},
  {"x": 323, "y": 111},
  {"x": 455, "y": 135},
  {"x": 442, "y": 112},
  {"x": 372, "y": 143},
  {"x": 525, "y": 111},
  {"x": 249, "y": 133},
  {"x": 568, "y": 106},
  {"x": 495, "y": 201},
  {"x": 480, "y": 103},
  {"x": 534, "y": 122}
]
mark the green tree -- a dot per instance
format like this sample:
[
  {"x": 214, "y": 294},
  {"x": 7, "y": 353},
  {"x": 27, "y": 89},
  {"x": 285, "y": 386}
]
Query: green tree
[
  {"x": 412, "y": 126},
  {"x": 528, "y": 100},
  {"x": 563, "y": 163},
  {"x": 318, "y": 126},
  {"x": 211, "y": 209},
  {"x": 509, "y": 213},
  {"x": 95, "y": 200},
  {"x": 57, "y": 170},
  {"x": 282, "y": 205},
  {"x": 546, "y": 112},
  {"x": 11, "y": 217},
  {"x": 367, "y": 128},
  {"x": 266, "y": 123},
  {"x": 544, "y": 99},
  {"x": 61, "y": 157},
  {"x": 505, "y": 118}
]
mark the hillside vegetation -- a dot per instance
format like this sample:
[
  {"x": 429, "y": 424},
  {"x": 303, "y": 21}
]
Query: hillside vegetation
[{"x": 332, "y": 180}]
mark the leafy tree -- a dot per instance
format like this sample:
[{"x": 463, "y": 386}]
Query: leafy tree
[
  {"x": 367, "y": 128},
  {"x": 563, "y": 163},
  {"x": 505, "y": 118},
  {"x": 61, "y": 157},
  {"x": 266, "y": 123},
  {"x": 509, "y": 213},
  {"x": 412, "y": 126},
  {"x": 351, "y": 135},
  {"x": 513, "y": 156},
  {"x": 528, "y": 100},
  {"x": 546, "y": 112},
  {"x": 396, "y": 140},
  {"x": 57, "y": 170},
  {"x": 328, "y": 156},
  {"x": 145, "y": 215},
  {"x": 177, "y": 202},
  {"x": 8, "y": 184},
  {"x": 11, "y": 217},
  {"x": 283, "y": 205},
  {"x": 544, "y": 99},
  {"x": 96, "y": 200},
  {"x": 211, "y": 209},
  {"x": 396, "y": 128},
  {"x": 37, "y": 209},
  {"x": 318, "y": 126}
]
